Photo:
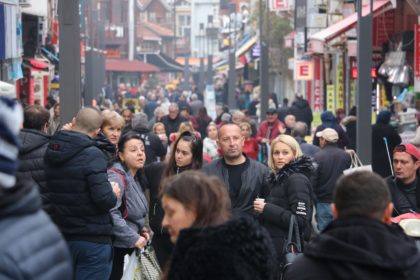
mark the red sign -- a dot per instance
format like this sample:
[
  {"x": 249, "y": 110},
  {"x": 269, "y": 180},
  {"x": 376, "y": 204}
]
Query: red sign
[
  {"x": 279, "y": 5},
  {"x": 416, "y": 57},
  {"x": 303, "y": 71},
  {"x": 318, "y": 106},
  {"x": 383, "y": 25},
  {"x": 354, "y": 73}
]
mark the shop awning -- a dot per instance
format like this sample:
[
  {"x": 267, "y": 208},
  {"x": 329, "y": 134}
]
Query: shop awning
[
  {"x": 379, "y": 7},
  {"x": 246, "y": 47},
  {"x": 162, "y": 61},
  {"x": 125, "y": 65}
]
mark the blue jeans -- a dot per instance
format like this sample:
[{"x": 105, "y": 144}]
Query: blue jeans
[
  {"x": 323, "y": 215},
  {"x": 91, "y": 260}
]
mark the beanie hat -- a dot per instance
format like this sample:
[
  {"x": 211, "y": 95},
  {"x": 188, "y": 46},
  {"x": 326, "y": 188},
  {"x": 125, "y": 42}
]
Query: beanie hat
[{"x": 11, "y": 118}]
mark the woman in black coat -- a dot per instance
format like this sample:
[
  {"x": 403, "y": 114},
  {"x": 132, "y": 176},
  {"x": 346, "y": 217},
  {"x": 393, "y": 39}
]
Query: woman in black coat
[
  {"x": 288, "y": 192},
  {"x": 186, "y": 154}
]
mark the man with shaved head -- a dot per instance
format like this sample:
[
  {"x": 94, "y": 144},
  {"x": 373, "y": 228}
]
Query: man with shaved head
[{"x": 81, "y": 195}]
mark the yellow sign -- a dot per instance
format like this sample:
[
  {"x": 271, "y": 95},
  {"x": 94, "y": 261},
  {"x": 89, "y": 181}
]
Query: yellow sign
[
  {"x": 131, "y": 102},
  {"x": 54, "y": 86},
  {"x": 352, "y": 93},
  {"x": 331, "y": 98},
  {"x": 340, "y": 89}
]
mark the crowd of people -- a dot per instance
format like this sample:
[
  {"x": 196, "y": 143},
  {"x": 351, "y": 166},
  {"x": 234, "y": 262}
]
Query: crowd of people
[{"x": 214, "y": 198}]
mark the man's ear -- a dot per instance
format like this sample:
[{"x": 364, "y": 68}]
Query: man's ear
[
  {"x": 388, "y": 213},
  {"x": 334, "y": 211}
]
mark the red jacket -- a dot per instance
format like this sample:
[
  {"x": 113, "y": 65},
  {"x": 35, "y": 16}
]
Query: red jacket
[
  {"x": 275, "y": 130},
  {"x": 251, "y": 148}
]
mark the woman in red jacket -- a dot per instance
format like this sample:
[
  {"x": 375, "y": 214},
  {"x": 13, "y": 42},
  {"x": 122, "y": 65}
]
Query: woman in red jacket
[{"x": 250, "y": 147}]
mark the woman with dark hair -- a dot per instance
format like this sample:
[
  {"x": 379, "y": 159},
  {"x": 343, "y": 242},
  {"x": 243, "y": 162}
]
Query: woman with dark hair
[
  {"x": 203, "y": 120},
  {"x": 209, "y": 244},
  {"x": 129, "y": 214},
  {"x": 186, "y": 154}
]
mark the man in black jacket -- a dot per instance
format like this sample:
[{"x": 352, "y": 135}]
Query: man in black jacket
[
  {"x": 173, "y": 119},
  {"x": 31, "y": 245},
  {"x": 34, "y": 140},
  {"x": 405, "y": 186},
  {"x": 360, "y": 243},
  {"x": 332, "y": 161},
  {"x": 155, "y": 151},
  {"x": 302, "y": 111},
  {"x": 81, "y": 194},
  {"x": 243, "y": 176}
]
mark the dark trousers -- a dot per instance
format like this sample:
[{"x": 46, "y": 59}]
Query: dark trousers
[
  {"x": 163, "y": 248},
  {"x": 118, "y": 262},
  {"x": 91, "y": 260}
]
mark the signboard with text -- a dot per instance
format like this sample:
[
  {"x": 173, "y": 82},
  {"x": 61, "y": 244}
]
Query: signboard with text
[
  {"x": 330, "y": 98},
  {"x": 303, "y": 70},
  {"x": 417, "y": 58},
  {"x": 279, "y": 5},
  {"x": 340, "y": 89},
  {"x": 318, "y": 104}
]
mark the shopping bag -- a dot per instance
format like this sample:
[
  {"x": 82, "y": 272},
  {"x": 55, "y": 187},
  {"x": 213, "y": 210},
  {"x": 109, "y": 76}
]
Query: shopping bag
[
  {"x": 149, "y": 266},
  {"x": 357, "y": 165},
  {"x": 293, "y": 245},
  {"x": 133, "y": 270}
]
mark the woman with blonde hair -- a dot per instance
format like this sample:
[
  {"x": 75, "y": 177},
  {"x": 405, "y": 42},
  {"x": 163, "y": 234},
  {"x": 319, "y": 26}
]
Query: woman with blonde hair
[
  {"x": 210, "y": 142},
  {"x": 110, "y": 133},
  {"x": 288, "y": 192},
  {"x": 184, "y": 126}
]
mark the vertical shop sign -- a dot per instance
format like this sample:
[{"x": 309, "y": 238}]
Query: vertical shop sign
[
  {"x": 330, "y": 98},
  {"x": 352, "y": 93},
  {"x": 340, "y": 89},
  {"x": 317, "y": 86},
  {"x": 417, "y": 58}
]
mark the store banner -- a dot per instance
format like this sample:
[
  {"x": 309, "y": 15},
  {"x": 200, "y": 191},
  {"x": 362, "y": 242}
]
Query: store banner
[
  {"x": 300, "y": 14},
  {"x": 340, "y": 88},
  {"x": 417, "y": 58},
  {"x": 303, "y": 70},
  {"x": 318, "y": 104},
  {"x": 331, "y": 98}
]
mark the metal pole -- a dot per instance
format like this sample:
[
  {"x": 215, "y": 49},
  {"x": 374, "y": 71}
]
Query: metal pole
[
  {"x": 70, "y": 95},
  {"x": 364, "y": 85},
  {"x": 264, "y": 64},
  {"x": 232, "y": 65}
]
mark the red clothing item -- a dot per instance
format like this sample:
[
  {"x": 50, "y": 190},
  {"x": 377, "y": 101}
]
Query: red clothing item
[
  {"x": 251, "y": 148},
  {"x": 275, "y": 130}
]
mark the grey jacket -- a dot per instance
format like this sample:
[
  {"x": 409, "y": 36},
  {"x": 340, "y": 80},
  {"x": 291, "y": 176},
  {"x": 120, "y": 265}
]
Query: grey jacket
[
  {"x": 126, "y": 231},
  {"x": 253, "y": 181}
]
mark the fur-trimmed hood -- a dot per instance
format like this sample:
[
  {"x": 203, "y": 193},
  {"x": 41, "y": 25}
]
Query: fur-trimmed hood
[
  {"x": 303, "y": 164},
  {"x": 239, "y": 249}
]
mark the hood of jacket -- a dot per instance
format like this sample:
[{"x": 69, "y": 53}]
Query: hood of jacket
[
  {"x": 349, "y": 119},
  {"x": 303, "y": 164},
  {"x": 300, "y": 103},
  {"x": 355, "y": 244},
  {"x": 32, "y": 139},
  {"x": 103, "y": 143},
  {"x": 238, "y": 249},
  {"x": 64, "y": 145},
  {"x": 328, "y": 119},
  {"x": 23, "y": 198}
]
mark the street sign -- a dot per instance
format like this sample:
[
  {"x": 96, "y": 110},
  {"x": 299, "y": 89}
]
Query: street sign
[
  {"x": 279, "y": 5},
  {"x": 303, "y": 70}
]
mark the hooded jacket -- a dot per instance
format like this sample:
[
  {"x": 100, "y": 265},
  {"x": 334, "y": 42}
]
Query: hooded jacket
[
  {"x": 289, "y": 192},
  {"x": 358, "y": 248},
  {"x": 31, "y": 161},
  {"x": 237, "y": 250},
  {"x": 81, "y": 194},
  {"x": 329, "y": 121},
  {"x": 31, "y": 245},
  {"x": 301, "y": 110}
]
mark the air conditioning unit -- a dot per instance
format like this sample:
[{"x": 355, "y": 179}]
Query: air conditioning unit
[{"x": 25, "y": 3}]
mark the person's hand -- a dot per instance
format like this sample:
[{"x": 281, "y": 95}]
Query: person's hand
[
  {"x": 265, "y": 140},
  {"x": 350, "y": 151},
  {"x": 259, "y": 204},
  {"x": 67, "y": 126},
  {"x": 116, "y": 189},
  {"x": 163, "y": 137},
  {"x": 145, "y": 234},
  {"x": 141, "y": 242},
  {"x": 282, "y": 129}
]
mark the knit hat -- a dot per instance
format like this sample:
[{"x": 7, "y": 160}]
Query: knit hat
[{"x": 11, "y": 118}]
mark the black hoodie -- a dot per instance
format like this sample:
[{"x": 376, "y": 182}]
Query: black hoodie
[
  {"x": 80, "y": 192},
  {"x": 358, "y": 248}
]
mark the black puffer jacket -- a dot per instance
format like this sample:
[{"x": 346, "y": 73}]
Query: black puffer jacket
[
  {"x": 109, "y": 149},
  {"x": 289, "y": 192},
  {"x": 81, "y": 194},
  {"x": 237, "y": 250},
  {"x": 358, "y": 248},
  {"x": 302, "y": 111},
  {"x": 31, "y": 160},
  {"x": 31, "y": 245}
]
